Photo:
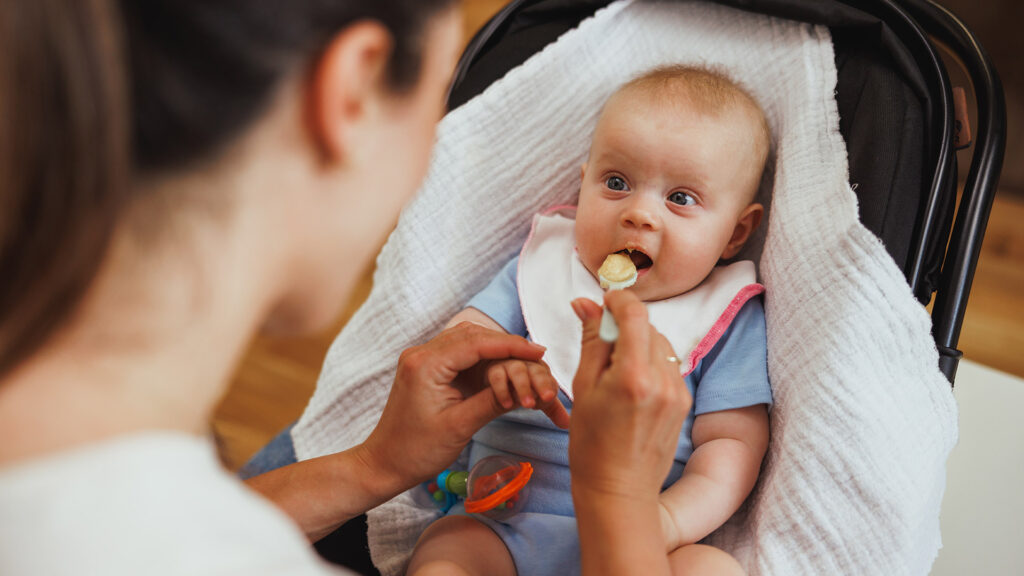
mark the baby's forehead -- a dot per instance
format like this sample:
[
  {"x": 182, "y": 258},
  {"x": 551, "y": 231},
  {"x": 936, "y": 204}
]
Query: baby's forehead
[
  {"x": 724, "y": 102},
  {"x": 691, "y": 93}
]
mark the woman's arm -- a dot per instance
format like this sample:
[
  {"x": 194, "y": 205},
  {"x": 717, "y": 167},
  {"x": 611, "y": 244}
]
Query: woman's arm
[
  {"x": 629, "y": 405},
  {"x": 434, "y": 408},
  {"x": 323, "y": 493},
  {"x": 728, "y": 449}
]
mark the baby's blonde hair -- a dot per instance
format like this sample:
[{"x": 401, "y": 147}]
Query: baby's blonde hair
[{"x": 708, "y": 91}]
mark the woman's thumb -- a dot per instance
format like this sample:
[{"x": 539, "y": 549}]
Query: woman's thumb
[
  {"x": 474, "y": 412},
  {"x": 595, "y": 353}
]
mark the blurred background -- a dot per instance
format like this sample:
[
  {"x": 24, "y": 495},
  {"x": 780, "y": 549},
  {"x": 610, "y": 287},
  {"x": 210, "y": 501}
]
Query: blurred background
[
  {"x": 277, "y": 377},
  {"x": 983, "y": 502}
]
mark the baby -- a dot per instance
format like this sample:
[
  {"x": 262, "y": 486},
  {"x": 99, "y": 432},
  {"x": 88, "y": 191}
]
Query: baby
[{"x": 670, "y": 180}]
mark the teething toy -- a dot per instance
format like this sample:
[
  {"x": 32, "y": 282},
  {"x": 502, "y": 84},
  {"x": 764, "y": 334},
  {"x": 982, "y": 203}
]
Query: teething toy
[{"x": 496, "y": 487}]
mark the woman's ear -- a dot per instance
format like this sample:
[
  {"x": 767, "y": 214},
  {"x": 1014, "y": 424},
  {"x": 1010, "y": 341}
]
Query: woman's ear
[
  {"x": 346, "y": 80},
  {"x": 748, "y": 221}
]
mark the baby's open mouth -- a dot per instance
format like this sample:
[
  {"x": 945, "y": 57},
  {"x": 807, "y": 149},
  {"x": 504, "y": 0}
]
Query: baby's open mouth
[{"x": 640, "y": 260}]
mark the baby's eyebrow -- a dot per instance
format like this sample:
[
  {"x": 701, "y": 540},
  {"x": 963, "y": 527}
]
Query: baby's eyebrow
[{"x": 615, "y": 154}]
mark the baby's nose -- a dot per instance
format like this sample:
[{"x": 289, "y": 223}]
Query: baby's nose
[{"x": 640, "y": 214}]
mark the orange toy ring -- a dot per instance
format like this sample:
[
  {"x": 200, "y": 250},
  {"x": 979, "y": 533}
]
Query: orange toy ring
[{"x": 504, "y": 493}]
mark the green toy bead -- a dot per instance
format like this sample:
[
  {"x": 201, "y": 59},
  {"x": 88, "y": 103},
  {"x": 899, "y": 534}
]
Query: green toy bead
[{"x": 456, "y": 482}]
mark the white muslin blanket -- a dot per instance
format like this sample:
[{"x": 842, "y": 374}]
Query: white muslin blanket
[{"x": 863, "y": 420}]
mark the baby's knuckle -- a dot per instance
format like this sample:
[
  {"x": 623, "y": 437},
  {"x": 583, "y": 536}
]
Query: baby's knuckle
[
  {"x": 516, "y": 368},
  {"x": 496, "y": 378}
]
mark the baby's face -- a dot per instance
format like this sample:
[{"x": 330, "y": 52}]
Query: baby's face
[{"x": 669, "y": 183}]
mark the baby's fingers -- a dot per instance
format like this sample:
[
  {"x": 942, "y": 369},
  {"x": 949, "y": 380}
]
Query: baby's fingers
[
  {"x": 519, "y": 376},
  {"x": 557, "y": 413},
  {"x": 546, "y": 389},
  {"x": 544, "y": 385},
  {"x": 497, "y": 379}
]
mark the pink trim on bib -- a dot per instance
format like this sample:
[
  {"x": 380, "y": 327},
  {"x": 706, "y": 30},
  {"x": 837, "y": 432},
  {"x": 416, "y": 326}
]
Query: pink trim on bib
[{"x": 721, "y": 325}]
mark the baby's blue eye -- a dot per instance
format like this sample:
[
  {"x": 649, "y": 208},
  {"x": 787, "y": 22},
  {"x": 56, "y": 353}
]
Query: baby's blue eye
[
  {"x": 616, "y": 183},
  {"x": 682, "y": 198}
]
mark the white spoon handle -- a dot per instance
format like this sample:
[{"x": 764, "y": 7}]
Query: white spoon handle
[{"x": 609, "y": 331}]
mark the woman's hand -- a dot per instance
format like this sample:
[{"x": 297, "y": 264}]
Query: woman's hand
[
  {"x": 438, "y": 402},
  {"x": 630, "y": 401}
]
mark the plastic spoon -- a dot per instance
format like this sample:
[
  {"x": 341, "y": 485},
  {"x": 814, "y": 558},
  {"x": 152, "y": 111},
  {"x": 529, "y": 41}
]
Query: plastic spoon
[{"x": 616, "y": 273}]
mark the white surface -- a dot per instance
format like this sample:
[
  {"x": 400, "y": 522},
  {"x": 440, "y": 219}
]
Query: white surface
[
  {"x": 153, "y": 503},
  {"x": 984, "y": 502}
]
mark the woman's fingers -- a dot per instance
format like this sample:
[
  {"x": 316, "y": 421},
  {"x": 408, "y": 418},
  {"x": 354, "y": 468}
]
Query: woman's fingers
[
  {"x": 595, "y": 353},
  {"x": 634, "y": 344},
  {"x": 468, "y": 416},
  {"x": 440, "y": 398},
  {"x": 630, "y": 404},
  {"x": 664, "y": 358},
  {"x": 467, "y": 344}
]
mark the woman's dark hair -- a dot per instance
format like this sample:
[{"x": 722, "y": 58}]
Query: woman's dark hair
[
  {"x": 83, "y": 112},
  {"x": 201, "y": 70},
  {"x": 63, "y": 161}
]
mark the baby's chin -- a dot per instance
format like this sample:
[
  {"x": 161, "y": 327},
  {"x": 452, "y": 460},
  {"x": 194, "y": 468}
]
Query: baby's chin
[{"x": 653, "y": 290}]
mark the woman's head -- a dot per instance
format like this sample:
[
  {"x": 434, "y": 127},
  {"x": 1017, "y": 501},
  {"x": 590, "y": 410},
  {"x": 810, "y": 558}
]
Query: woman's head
[
  {"x": 203, "y": 70},
  {"x": 335, "y": 100},
  {"x": 361, "y": 80}
]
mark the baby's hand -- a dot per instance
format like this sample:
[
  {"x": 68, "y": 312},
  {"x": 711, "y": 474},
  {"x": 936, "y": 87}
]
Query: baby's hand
[{"x": 527, "y": 384}]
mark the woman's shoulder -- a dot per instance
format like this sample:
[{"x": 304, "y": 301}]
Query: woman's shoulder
[{"x": 148, "y": 503}]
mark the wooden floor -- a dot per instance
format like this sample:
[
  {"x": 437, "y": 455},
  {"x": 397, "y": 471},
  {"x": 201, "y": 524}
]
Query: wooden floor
[{"x": 277, "y": 377}]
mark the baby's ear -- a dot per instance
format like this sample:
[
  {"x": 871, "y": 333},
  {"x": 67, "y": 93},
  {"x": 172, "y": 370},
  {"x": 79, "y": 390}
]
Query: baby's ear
[
  {"x": 583, "y": 171},
  {"x": 748, "y": 221}
]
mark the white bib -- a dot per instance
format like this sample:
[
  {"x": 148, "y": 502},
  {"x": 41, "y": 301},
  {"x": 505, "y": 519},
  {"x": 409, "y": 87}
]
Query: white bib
[{"x": 551, "y": 275}]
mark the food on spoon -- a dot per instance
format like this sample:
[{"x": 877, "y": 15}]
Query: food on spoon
[{"x": 617, "y": 272}]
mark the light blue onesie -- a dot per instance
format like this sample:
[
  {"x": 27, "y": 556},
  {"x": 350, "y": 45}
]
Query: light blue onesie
[{"x": 542, "y": 537}]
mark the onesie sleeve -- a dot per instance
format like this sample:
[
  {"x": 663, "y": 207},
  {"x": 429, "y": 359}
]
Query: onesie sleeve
[
  {"x": 500, "y": 300},
  {"x": 735, "y": 373}
]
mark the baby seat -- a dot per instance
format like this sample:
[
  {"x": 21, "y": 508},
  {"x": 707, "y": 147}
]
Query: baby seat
[
  {"x": 863, "y": 418},
  {"x": 896, "y": 115}
]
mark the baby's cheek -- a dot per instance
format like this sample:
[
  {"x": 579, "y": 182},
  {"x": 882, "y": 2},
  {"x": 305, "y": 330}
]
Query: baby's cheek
[{"x": 586, "y": 243}]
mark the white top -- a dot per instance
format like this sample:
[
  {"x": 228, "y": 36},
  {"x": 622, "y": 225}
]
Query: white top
[{"x": 154, "y": 503}]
